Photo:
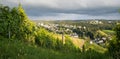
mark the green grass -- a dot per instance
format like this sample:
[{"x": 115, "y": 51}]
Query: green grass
[
  {"x": 102, "y": 33},
  {"x": 110, "y": 32},
  {"x": 16, "y": 49},
  {"x": 95, "y": 47}
]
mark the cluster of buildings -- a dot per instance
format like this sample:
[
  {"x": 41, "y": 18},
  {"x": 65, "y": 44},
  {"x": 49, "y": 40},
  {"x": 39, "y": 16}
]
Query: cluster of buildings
[
  {"x": 57, "y": 28},
  {"x": 96, "y": 22},
  {"x": 65, "y": 28}
]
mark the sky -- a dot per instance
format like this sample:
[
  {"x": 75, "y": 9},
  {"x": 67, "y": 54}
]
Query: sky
[{"x": 68, "y": 9}]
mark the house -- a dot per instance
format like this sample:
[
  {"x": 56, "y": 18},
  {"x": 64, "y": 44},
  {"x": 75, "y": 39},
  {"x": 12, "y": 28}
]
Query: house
[
  {"x": 74, "y": 35},
  {"x": 96, "y": 22}
]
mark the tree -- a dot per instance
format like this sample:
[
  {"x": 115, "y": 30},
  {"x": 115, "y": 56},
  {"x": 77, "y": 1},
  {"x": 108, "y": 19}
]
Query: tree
[
  {"x": 26, "y": 27},
  {"x": 5, "y": 18},
  {"x": 14, "y": 23},
  {"x": 114, "y": 46}
]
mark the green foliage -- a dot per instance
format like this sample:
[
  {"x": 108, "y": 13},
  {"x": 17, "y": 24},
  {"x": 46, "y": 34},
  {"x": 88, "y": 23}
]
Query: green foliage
[
  {"x": 100, "y": 34},
  {"x": 109, "y": 32},
  {"x": 17, "y": 49},
  {"x": 114, "y": 46},
  {"x": 15, "y": 23},
  {"x": 94, "y": 47},
  {"x": 117, "y": 30},
  {"x": 47, "y": 40},
  {"x": 69, "y": 46},
  {"x": 22, "y": 28},
  {"x": 4, "y": 19}
]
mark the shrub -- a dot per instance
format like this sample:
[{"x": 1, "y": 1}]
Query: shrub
[
  {"x": 114, "y": 45},
  {"x": 47, "y": 40}
]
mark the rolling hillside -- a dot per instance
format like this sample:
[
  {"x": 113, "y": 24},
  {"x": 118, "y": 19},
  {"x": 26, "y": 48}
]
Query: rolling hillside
[
  {"x": 80, "y": 42},
  {"x": 15, "y": 49}
]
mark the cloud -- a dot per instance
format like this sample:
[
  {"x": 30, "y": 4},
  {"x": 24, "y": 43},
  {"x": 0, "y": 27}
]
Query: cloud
[{"x": 68, "y": 9}]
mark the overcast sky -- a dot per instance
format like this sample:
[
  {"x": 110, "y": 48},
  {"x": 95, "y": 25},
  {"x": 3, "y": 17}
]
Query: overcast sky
[{"x": 68, "y": 9}]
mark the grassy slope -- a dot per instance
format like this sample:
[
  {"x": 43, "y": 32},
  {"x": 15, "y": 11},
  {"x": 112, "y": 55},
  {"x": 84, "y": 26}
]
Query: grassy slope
[
  {"x": 78, "y": 42},
  {"x": 95, "y": 47},
  {"x": 102, "y": 33},
  {"x": 14, "y": 49},
  {"x": 110, "y": 32}
]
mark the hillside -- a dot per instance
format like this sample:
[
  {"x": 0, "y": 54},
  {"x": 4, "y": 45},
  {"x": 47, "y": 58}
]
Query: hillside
[
  {"x": 14, "y": 49},
  {"x": 80, "y": 42},
  {"x": 76, "y": 41},
  {"x": 20, "y": 38}
]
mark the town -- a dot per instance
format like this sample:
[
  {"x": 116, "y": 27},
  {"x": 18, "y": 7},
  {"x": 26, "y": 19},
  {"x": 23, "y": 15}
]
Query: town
[{"x": 78, "y": 29}]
